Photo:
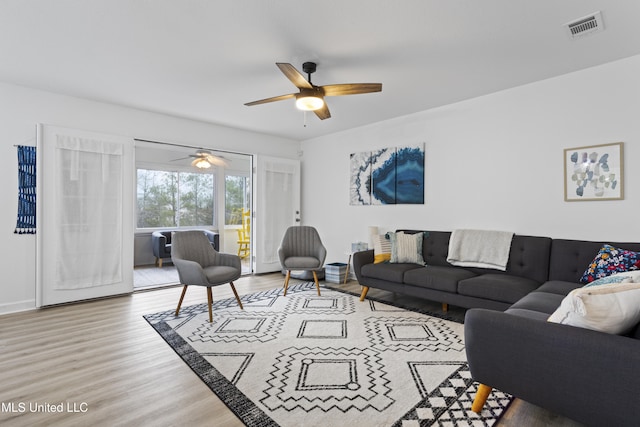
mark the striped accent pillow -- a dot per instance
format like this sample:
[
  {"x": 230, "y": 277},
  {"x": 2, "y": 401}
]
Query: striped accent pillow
[
  {"x": 406, "y": 248},
  {"x": 381, "y": 249}
]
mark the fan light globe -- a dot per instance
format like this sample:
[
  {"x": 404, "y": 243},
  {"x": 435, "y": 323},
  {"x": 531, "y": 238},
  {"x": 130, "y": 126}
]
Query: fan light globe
[
  {"x": 309, "y": 103},
  {"x": 201, "y": 163}
]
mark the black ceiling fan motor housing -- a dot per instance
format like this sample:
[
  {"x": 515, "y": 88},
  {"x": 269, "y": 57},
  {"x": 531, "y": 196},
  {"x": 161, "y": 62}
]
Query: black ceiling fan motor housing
[{"x": 309, "y": 67}]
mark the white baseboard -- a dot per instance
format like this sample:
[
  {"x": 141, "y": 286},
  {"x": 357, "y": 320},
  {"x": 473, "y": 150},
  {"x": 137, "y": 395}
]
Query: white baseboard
[{"x": 16, "y": 307}]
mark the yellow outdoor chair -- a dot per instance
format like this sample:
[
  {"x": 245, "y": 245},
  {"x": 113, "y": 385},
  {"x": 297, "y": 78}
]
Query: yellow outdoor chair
[{"x": 244, "y": 235}]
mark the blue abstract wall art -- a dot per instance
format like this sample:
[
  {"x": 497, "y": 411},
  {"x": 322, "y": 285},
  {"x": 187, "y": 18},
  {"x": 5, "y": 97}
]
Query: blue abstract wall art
[
  {"x": 388, "y": 176},
  {"x": 360, "y": 186}
]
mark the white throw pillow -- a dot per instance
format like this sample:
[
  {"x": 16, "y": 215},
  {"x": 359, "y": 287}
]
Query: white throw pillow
[
  {"x": 612, "y": 308},
  {"x": 623, "y": 277},
  {"x": 406, "y": 248}
]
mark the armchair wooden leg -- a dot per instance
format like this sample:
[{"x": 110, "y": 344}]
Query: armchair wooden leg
[
  {"x": 159, "y": 262},
  {"x": 445, "y": 307},
  {"x": 233, "y": 288},
  {"x": 209, "y": 302},
  {"x": 481, "y": 397},
  {"x": 365, "y": 289},
  {"x": 184, "y": 291},
  {"x": 315, "y": 279},
  {"x": 286, "y": 282}
]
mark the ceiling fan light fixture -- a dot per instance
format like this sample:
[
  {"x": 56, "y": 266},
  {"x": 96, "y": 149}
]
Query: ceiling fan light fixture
[
  {"x": 201, "y": 163},
  {"x": 309, "y": 102}
]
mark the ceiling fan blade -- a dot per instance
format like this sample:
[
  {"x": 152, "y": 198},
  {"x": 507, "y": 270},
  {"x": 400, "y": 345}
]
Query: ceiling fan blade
[
  {"x": 216, "y": 160},
  {"x": 273, "y": 99},
  {"x": 294, "y": 75},
  {"x": 181, "y": 158},
  {"x": 351, "y": 89},
  {"x": 323, "y": 113}
]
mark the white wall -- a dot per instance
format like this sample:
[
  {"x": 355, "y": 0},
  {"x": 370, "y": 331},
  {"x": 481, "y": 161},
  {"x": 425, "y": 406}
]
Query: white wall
[
  {"x": 493, "y": 162},
  {"x": 22, "y": 108}
]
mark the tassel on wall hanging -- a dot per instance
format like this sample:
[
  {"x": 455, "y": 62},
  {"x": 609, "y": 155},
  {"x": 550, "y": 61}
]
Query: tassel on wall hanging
[{"x": 26, "y": 223}]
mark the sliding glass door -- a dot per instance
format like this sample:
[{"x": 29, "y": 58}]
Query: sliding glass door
[{"x": 174, "y": 193}]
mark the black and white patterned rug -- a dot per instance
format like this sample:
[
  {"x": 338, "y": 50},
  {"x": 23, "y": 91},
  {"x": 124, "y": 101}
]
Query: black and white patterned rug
[{"x": 309, "y": 360}]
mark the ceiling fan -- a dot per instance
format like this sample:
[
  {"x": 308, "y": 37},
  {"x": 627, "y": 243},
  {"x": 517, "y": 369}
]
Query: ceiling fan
[
  {"x": 311, "y": 97},
  {"x": 204, "y": 159}
]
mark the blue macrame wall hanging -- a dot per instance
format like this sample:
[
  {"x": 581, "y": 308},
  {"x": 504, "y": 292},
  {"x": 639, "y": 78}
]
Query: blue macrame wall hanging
[{"x": 26, "y": 223}]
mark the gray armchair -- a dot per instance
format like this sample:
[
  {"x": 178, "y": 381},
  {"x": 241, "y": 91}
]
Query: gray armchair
[
  {"x": 302, "y": 249},
  {"x": 201, "y": 265}
]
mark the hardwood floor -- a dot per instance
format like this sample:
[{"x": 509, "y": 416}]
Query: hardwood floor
[{"x": 99, "y": 363}]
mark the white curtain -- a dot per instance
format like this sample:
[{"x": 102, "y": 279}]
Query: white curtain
[
  {"x": 89, "y": 175},
  {"x": 280, "y": 186}
]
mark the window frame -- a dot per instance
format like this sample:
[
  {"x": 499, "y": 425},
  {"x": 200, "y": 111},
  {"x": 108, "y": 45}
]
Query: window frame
[{"x": 247, "y": 202}]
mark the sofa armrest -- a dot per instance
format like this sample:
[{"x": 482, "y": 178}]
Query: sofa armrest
[
  {"x": 214, "y": 238},
  {"x": 158, "y": 244},
  {"x": 588, "y": 376},
  {"x": 360, "y": 259}
]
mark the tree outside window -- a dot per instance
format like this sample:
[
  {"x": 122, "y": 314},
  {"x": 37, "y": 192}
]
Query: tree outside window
[{"x": 175, "y": 199}]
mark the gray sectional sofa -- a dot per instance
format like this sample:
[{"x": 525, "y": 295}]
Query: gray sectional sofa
[{"x": 588, "y": 376}]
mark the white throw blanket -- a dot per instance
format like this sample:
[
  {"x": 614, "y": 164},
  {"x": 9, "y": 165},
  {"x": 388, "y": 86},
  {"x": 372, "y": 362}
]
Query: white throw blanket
[{"x": 480, "y": 248}]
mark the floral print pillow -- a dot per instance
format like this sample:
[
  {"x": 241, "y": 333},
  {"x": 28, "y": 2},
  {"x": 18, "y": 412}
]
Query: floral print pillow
[{"x": 610, "y": 260}]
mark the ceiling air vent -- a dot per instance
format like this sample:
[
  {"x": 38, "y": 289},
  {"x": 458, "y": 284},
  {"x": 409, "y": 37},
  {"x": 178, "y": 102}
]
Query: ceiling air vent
[{"x": 587, "y": 25}]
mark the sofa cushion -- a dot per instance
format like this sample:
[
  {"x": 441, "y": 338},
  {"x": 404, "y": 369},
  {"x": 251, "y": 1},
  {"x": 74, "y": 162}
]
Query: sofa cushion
[
  {"x": 542, "y": 302},
  {"x": 610, "y": 260},
  {"x": 559, "y": 287},
  {"x": 497, "y": 287},
  {"x": 387, "y": 271},
  {"x": 569, "y": 258},
  {"x": 612, "y": 308},
  {"x": 436, "y": 277},
  {"x": 530, "y": 314}
]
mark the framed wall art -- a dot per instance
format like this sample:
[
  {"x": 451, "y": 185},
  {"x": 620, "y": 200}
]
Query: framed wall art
[
  {"x": 388, "y": 176},
  {"x": 594, "y": 173}
]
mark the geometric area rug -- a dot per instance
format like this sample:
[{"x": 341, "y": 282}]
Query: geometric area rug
[{"x": 330, "y": 360}]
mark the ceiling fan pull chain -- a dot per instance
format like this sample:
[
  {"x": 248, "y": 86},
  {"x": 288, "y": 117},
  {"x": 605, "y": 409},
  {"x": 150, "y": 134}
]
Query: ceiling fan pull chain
[{"x": 305, "y": 118}]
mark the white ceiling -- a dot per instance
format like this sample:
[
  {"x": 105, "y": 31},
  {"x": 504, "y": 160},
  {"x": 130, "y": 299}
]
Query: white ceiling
[{"x": 203, "y": 59}]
